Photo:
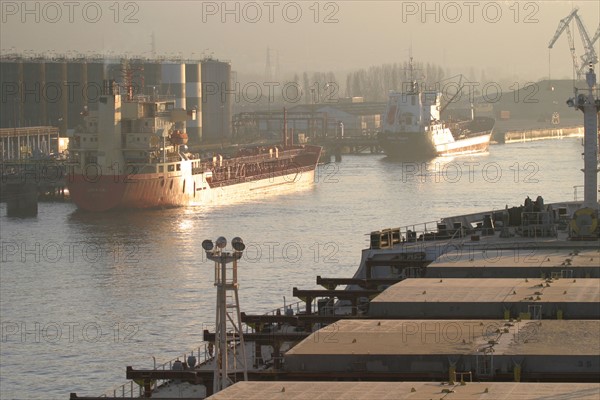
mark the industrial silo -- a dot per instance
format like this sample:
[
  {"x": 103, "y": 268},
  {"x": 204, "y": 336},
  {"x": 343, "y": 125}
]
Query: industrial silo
[
  {"x": 55, "y": 93},
  {"x": 152, "y": 76},
  {"x": 9, "y": 81},
  {"x": 217, "y": 91},
  {"x": 193, "y": 91},
  {"x": 95, "y": 77},
  {"x": 32, "y": 89},
  {"x": 43, "y": 109},
  {"x": 77, "y": 77},
  {"x": 173, "y": 82}
]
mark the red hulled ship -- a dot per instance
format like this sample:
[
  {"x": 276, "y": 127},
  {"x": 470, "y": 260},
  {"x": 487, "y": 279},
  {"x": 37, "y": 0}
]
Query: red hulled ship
[{"x": 133, "y": 154}]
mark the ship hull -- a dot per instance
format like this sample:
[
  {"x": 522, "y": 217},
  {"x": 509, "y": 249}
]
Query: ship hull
[
  {"x": 159, "y": 190},
  {"x": 407, "y": 145},
  {"x": 149, "y": 191},
  {"x": 476, "y": 144},
  {"x": 415, "y": 146}
]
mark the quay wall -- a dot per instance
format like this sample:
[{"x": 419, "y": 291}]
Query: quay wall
[{"x": 540, "y": 134}]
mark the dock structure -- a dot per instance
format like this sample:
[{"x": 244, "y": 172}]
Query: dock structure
[
  {"x": 499, "y": 350},
  {"x": 288, "y": 390},
  {"x": 489, "y": 298},
  {"x": 351, "y": 144},
  {"x": 248, "y": 124},
  {"x": 22, "y": 143},
  {"x": 542, "y": 134},
  {"x": 24, "y": 182},
  {"x": 523, "y": 262}
]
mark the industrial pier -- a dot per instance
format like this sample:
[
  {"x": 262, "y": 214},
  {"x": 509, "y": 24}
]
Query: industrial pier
[{"x": 31, "y": 168}]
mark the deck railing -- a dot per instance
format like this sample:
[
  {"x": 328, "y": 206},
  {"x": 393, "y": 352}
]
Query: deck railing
[
  {"x": 418, "y": 233},
  {"x": 131, "y": 389},
  {"x": 203, "y": 354}
]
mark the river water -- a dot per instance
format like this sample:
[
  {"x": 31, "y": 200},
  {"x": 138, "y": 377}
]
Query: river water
[{"x": 84, "y": 295}]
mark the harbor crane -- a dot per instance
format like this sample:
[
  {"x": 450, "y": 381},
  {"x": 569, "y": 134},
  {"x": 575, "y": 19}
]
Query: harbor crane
[{"x": 590, "y": 56}]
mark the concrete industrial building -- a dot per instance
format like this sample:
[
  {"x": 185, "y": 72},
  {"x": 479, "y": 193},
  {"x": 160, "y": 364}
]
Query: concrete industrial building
[
  {"x": 56, "y": 91},
  {"x": 218, "y": 93},
  {"x": 41, "y": 91}
]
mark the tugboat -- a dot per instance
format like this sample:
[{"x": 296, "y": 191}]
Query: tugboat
[
  {"x": 133, "y": 154},
  {"x": 413, "y": 129}
]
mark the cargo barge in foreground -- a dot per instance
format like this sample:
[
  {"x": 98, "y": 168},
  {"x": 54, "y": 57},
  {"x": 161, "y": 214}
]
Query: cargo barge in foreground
[{"x": 133, "y": 154}]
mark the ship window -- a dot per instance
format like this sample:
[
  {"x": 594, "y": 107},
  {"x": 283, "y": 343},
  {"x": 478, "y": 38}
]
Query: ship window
[
  {"x": 171, "y": 185},
  {"x": 162, "y": 182},
  {"x": 178, "y": 167},
  {"x": 171, "y": 168},
  {"x": 161, "y": 168},
  {"x": 183, "y": 189}
]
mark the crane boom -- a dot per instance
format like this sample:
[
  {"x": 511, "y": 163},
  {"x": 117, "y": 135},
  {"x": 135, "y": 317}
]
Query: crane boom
[
  {"x": 572, "y": 48},
  {"x": 460, "y": 87},
  {"x": 585, "y": 38},
  {"x": 562, "y": 26},
  {"x": 596, "y": 36},
  {"x": 590, "y": 56}
]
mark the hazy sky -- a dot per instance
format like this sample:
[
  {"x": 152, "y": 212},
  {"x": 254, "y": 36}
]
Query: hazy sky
[{"x": 503, "y": 37}]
